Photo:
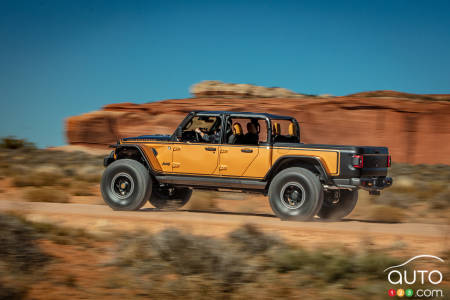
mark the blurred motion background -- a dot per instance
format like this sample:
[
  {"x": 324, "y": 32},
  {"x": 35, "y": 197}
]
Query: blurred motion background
[{"x": 77, "y": 75}]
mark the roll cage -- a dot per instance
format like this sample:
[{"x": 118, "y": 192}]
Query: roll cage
[{"x": 226, "y": 115}]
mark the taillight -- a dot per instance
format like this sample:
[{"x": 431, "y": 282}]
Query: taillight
[
  {"x": 358, "y": 161},
  {"x": 389, "y": 161}
]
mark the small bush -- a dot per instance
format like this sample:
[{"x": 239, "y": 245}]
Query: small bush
[
  {"x": 253, "y": 240},
  {"x": 385, "y": 213},
  {"x": 62, "y": 235},
  {"x": 82, "y": 192},
  {"x": 46, "y": 195},
  {"x": 18, "y": 248},
  {"x": 441, "y": 200},
  {"x": 14, "y": 143},
  {"x": 286, "y": 260},
  {"x": 37, "y": 179},
  {"x": 78, "y": 188},
  {"x": 189, "y": 266},
  {"x": 20, "y": 257},
  {"x": 184, "y": 254}
]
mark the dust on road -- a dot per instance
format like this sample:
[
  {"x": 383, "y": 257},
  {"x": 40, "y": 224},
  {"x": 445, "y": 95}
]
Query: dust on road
[{"x": 404, "y": 238}]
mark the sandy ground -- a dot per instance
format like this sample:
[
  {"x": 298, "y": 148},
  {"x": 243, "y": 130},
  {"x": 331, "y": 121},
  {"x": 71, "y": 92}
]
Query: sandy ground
[
  {"x": 79, "y": 271},
  {"x": 402, "y": 239}
]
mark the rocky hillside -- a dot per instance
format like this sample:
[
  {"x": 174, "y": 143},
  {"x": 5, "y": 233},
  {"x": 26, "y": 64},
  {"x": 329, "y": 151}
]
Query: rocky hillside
[
  {"x": 215, "y": 88},
  {"x": 415, "y": 129}
]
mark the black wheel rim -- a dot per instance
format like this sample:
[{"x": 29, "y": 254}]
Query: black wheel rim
[
  {"x": 292, "y": 195},
  {"x": 122, "y": 185}
]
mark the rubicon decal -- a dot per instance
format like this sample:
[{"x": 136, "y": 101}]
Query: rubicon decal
[{"x": 401, "y": 275}]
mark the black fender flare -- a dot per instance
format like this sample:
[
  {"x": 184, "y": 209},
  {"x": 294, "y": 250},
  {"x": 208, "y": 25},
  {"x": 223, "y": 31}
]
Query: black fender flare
[
  {"x": 313, "y": 161},
  {"x": 146, "y": 160}
]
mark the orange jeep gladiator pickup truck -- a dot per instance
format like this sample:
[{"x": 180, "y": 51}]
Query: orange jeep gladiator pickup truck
[{"x": 249, "y": 152}]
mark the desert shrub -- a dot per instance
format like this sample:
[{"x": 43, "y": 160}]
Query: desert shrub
[
  {"x": 171, "y": 251},
  {"x": 197, "y": 266},
  {"x": 80, "y": 188},
  {"x": 62, "y": 235},
  {"x": 385, "y": 213},
  {"x": 81, "y": 191},
  {"x": 252, "y": 240},
  {"x": 17, "y": 244},
  {"x": 89, "y": 173},
  {"x": 20, "y": 257},
  {"x": 11, "y": 142},
  {"x": 372, "y": 263},
  {"x": 440, "y": 200},
  {"x": 45, "y": 194},
  {"x": 42, "y": 167},
  {"x": 286, "y": 260},
  {"x": 38, "y": 179}
]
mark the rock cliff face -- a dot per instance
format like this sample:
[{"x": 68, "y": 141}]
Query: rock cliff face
[
  {"x": 416, "y": 131},
  {"x": 217, "y": 88}
]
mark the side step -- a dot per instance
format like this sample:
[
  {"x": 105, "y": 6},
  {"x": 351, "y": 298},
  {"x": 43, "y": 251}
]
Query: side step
[{"x": 234, "y": 183}]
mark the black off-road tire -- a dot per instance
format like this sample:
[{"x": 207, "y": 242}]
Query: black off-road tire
[
  {"x": 136, "y": 179},
  {"x": 299, "y": 184},
  {"x": 342, "y": 208},
  {"x": 161, "y": 197}
]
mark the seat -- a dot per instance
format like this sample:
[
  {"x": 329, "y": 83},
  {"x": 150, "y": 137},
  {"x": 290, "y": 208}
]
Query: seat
[
  {"x": 276, "y": 129},
  {"x": 291, "y": 129},
  {"x": 290, "y": 138},
  {"x": 237, "y": 136}
]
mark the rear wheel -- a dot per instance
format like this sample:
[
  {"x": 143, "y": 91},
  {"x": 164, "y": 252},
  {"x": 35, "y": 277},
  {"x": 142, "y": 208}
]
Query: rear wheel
[
  {"x": 336, "y": 208},
  {"x": 295, "y": 194},
  {"x": 126, "y": 185},
  {"x": 167, "y": 197}
]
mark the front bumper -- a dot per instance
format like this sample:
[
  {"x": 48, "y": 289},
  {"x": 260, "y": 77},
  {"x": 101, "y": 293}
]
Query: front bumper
[{"x": 108, "y": 159}]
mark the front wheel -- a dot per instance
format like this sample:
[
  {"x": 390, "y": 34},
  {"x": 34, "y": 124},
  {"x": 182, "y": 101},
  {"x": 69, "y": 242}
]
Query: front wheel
[
  {"x": 336, "y": 209},
  {"x": 295, "y": 194},
  {"x": 126, "y": 185},
  {"x": 166, "y": 197}
]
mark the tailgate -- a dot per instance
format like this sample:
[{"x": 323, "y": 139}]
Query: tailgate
[{"x": 375, "y": 161}]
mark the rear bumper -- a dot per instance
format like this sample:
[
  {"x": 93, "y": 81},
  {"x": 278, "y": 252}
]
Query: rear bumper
[
  {"x": 377, "y": 183},
  {"x": 369, "y": 183}
]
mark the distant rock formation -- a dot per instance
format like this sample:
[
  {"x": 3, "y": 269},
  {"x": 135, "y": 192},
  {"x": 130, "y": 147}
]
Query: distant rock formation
[
  {"x": 415, "y": 130},
  {"x": 395, "y": 94},
  {"x": 215, "y": 88}
]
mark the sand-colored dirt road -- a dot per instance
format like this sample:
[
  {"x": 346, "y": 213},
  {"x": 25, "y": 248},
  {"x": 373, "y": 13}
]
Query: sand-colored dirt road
[{"x": 404, "y": 238}]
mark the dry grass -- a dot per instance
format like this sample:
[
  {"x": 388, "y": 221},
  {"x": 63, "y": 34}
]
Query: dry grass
[
  {"x": 52, "y": 174},
  {"x": 173, "y": 264},
  {"x": 45, "y": 194},
  {"x": 21, "y": 259}
]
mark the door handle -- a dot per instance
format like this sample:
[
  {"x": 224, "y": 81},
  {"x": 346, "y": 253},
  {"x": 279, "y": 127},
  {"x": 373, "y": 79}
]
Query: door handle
[
  {"x": 247, "y": 150},
  {"x": 210, "y": 148}
]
